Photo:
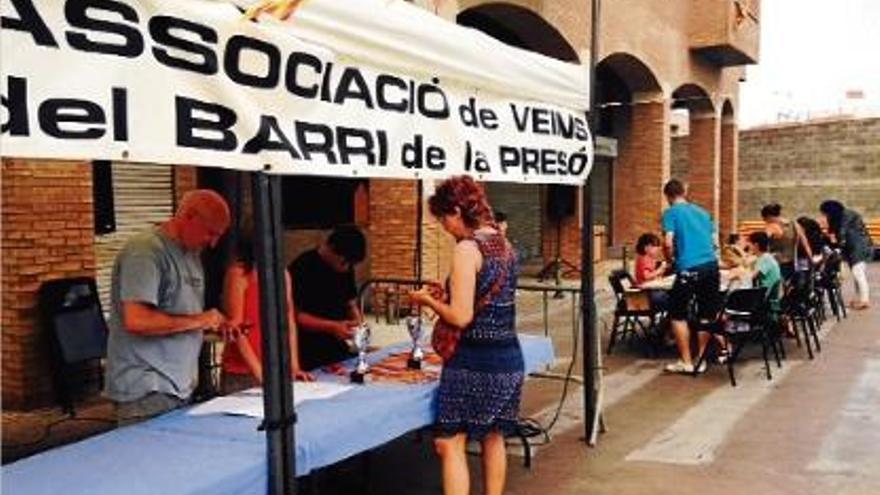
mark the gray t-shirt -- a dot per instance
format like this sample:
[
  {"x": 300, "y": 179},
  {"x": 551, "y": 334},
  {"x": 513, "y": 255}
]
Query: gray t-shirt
[{"x": 154, "y": 270}]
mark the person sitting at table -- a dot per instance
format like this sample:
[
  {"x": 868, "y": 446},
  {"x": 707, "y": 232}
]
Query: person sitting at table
[
  {"x": 689, "y": 233},
  {"x": 649, "y": 267},
  {"x": 242, "y": 358},
  {"x": 766, "y": 272},
  {"x": 325, "y": 297},
  {"x": 481, "y": 385},
  {"x": 787, "y": 241}
]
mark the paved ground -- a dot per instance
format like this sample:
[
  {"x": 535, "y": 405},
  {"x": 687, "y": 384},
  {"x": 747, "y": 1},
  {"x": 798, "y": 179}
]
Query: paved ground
[{"x": 814, "y": 428}]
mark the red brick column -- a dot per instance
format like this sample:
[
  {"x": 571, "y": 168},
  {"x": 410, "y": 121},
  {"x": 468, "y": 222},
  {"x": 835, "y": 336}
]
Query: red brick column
[
  {"x": 704, "y": 150},
  {"x": 392, "y": 228},
  {"x": 729, "y": 178},
  {"x": 48, "y": 233},
  {"x": 641, "y": 169}
]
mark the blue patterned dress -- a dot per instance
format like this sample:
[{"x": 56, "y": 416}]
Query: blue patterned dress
[{"x": 480, "y": 387}]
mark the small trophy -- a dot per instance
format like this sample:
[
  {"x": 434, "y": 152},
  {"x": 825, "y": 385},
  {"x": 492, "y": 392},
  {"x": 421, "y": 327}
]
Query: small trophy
[
  {"x": 415, "y": 327},
  {"x": 361, "y": 341}
]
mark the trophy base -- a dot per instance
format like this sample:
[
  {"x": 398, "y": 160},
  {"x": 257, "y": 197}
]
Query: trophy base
[
  {"x": 414, "y": 364},
  {"x": 356, "y": 377}
]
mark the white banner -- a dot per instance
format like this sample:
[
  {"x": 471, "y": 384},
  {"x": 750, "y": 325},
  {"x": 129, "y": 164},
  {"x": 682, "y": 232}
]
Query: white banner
[{"x": 191, "y": 82}]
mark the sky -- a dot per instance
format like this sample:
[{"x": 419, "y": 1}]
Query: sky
[{"x": 812, "y": 53}]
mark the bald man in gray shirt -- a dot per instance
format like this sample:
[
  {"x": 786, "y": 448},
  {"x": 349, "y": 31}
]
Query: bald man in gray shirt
[{"x": 157, "y": 316}]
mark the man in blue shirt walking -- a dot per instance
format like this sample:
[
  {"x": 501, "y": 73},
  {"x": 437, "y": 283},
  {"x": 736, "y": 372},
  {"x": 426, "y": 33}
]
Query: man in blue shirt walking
[{"x": 689, "y": 240}]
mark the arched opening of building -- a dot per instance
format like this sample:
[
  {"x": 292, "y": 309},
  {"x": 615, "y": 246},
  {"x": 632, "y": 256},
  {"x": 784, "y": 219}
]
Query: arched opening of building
[
  {"x": 695, "y": 145},
  {"x": 632, "y": 143},
  {"x": 533, "y": 217}
]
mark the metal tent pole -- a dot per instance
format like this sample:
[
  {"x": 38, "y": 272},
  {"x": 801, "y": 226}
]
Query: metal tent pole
[
  {"x": 591, "y": 356},
  {"x": 279, "y": 416}
]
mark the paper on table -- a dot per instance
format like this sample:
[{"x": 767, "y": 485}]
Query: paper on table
[{"x": 250, "y": 402}]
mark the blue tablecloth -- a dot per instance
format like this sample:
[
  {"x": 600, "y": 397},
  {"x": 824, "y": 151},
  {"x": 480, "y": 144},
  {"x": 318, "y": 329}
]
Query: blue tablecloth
[{"x": 181, "y": 454}]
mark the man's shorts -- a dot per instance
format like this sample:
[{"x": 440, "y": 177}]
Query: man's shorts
[{"x": 702, "y": 283}]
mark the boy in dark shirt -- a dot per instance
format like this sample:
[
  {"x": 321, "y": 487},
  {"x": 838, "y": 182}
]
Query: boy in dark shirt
[{"x": 325, "y": 297}]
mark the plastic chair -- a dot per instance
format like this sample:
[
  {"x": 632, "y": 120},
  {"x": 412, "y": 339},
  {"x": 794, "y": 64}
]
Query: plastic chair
[{"x": 71, "y": 315}]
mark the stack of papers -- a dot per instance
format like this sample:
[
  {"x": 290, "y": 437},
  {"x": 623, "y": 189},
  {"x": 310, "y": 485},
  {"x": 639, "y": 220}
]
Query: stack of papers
[{"x": 250, "y": 402}]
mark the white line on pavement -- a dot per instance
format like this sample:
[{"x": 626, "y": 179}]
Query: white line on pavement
[
  {"x": 851, "y": 446},
  {"x": 698, "y": 434}
]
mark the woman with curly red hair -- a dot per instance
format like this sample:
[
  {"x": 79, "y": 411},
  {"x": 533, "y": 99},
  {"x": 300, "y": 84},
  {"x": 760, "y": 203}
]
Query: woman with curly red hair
[{"x": 481, "y": 384}]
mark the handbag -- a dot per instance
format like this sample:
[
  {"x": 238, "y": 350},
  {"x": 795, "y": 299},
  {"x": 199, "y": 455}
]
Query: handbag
[{"x": 445, "y": 336}]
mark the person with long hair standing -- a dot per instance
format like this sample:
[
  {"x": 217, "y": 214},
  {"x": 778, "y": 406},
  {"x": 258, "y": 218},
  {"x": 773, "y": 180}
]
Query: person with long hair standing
[
  {"x": 851, "y": 235},
  {"x": 242, "y": 363},
  {"x": 481, "y": 385}
]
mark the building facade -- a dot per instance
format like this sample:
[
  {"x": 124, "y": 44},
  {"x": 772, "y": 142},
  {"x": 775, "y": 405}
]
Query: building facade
[{"x": 657, "y": 59}]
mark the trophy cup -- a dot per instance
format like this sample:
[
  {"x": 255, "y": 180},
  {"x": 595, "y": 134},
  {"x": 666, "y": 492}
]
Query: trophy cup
[
  {"x": 361, "y": 341},
  {"x": 415, "y": 327}
]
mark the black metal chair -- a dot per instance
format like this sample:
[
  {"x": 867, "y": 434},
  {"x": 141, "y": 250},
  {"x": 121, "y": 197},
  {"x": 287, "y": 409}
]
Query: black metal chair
[
  {"x": 798, "y": 307},
  {"x": 828, "y": 281},
  {"x": 634, "y": 315},
  {"x": 745, "y": 318},
  {"x": 70, "y": 311}
]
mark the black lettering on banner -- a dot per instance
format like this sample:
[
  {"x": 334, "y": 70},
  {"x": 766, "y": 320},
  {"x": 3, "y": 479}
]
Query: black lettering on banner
[
  {"x": 417, "y": 155},
  {"x": 263, "y": 140},
  {"x": 530, "y": 161},
  {"x": 163, "y": 31},
  {"x": 16, "y": 107},
  {"x": 540, "y": 121},
  {"x": 77, "y": 15},
  {"x": 577, "y": 162},
  {"x": 29, "y": 21},
  {"x": 57, "y": 111},
  {"x": 488, "y": 118},
  {"x": 548, "y": 161},
  {"x": 292, "y": 80},
  {"x": 468, "y": 113},
  {"x": 119, "y": 112},
  {"x": 563, "y": 125},
  {"x": 324, "y": 144},
  {"x": 353, "y": 87},
  {"x": 520, "y": 120},
  {"x": 475, "y": 160},
  {"x": 325, "y": 82},
  {"x": 232, "y": 62},
  {"x": 354, "y": 142},
  {"x": 580, "y": 129},
  {"x": 385, "y": 81},
  {"x": 188, "y": 123},
  {"x": 425, "y": 90},
  {"x": 508, "y": 157}
]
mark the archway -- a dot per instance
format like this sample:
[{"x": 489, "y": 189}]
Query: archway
[
  {"x": 695, "y": 145},
  {"x": 632, "y": 116}
]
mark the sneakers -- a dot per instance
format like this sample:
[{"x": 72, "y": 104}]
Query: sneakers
[{"x": 684, "y": 368}]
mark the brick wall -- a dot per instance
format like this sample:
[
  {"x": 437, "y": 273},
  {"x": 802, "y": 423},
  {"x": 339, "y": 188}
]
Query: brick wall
[
  {"x": 48, "y": 233},
  {"x": 679, "y": 166},
  {"x": 392, "y": 228},
  {"x": 641, "y": 170},
  {"x": 801, "y": 165},
  {"x": 727, "y": 222},
  {"x": 704, "y": 160}
]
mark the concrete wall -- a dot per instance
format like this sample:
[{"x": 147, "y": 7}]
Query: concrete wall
[{"x": 800, "y": 165}]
